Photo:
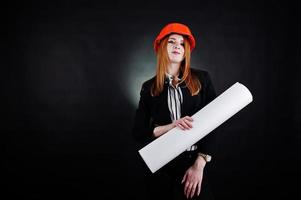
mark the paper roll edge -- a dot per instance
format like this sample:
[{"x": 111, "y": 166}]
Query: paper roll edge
[
  {"x": 246, "y": 89},
  {"x": 146, "y": 161}
]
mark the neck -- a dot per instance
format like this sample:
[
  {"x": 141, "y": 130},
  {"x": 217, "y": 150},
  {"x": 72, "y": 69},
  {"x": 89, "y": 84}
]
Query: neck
[{"x": 173, "y": 69}]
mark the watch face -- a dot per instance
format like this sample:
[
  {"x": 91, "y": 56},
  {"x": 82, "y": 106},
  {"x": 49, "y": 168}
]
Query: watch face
[{"x": 208, "y": 158}]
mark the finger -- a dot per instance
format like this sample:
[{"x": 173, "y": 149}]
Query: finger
[
  {"x": 188, "y": 123},
  {"x": 186, "y": 188},
  {"x": 199, "y": 188},
  {"x": 184, "y": 178},
  {"x": 189, "y": 188},
  {"x": 193, "y": 190},
  {"x": 183, "y": 123},
  {"x": 180, "y": 126},
  {"x": 189, "y": 118},
  {"x": 185, "y": 192}
]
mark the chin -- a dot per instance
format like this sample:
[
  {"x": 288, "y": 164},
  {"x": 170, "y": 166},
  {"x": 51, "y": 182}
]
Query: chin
[{"x": 175, "y": 60}]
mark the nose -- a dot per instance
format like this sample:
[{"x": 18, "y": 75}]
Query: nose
[{"x": 176, "y": 46}]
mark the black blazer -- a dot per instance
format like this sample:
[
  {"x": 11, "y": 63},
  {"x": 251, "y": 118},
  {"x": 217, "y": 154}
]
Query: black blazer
[{"x": 153, "y": 111}]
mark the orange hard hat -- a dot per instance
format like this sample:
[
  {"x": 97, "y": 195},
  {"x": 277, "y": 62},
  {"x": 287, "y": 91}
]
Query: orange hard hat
[{"x": 175, "y": 28}]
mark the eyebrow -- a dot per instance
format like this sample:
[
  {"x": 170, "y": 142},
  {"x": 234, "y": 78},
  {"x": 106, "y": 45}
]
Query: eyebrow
[{"x": 175, "y": 39}]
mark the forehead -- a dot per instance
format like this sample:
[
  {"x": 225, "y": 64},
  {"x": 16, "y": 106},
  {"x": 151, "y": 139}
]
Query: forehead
[{"x": 176, "y": 36}]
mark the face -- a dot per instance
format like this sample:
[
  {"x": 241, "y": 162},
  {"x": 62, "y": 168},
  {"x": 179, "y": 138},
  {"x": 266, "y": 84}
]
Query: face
[{"x": 175, "y": 48}]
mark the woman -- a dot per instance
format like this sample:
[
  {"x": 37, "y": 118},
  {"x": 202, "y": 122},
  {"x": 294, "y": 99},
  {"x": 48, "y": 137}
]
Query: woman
[{"x": 167, "y": 101}]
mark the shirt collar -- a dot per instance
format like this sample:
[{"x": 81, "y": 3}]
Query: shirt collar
[{"x": 169, "y": 78}]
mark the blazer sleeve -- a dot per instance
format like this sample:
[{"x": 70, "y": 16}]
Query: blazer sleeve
[
  {"x": 143, "y": 127},
  {"x": 207, "y": 144}
]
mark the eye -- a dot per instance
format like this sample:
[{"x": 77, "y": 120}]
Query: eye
[
  {"x": 182, "y": 44},
  {"x": 171, "y": 41}
]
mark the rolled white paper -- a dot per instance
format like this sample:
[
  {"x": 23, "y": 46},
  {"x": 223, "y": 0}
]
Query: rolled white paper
[{"x": 168, "y": 146}]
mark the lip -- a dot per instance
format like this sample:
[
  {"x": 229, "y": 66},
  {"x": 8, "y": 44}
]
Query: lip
[{"x": 175, "y": 52}]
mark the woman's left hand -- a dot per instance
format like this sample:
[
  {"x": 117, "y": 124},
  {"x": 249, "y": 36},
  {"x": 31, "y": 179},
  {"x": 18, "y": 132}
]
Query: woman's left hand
[{"x": 193, "y": 179}]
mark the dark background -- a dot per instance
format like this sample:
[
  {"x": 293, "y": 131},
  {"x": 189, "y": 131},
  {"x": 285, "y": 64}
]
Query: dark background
[{"x": 66, "y": 118}]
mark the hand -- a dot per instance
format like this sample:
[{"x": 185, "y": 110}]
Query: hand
[
  {"x": 193, "y": 179},
  {"x": 184, "y": 123}
]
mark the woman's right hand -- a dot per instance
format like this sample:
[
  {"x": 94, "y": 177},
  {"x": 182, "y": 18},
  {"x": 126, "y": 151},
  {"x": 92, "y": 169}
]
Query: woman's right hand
[{"x": 184, "y": 123}]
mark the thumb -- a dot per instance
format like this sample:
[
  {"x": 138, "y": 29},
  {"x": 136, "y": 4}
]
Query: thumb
[{"x": 184, "y": 178}]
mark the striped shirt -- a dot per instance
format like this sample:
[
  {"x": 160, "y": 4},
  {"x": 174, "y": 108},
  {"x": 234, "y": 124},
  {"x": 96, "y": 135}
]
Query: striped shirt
[{"x": 175, "y": 100}]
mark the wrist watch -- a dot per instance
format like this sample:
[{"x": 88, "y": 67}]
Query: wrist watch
[{"x": 206, "y": 157}]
